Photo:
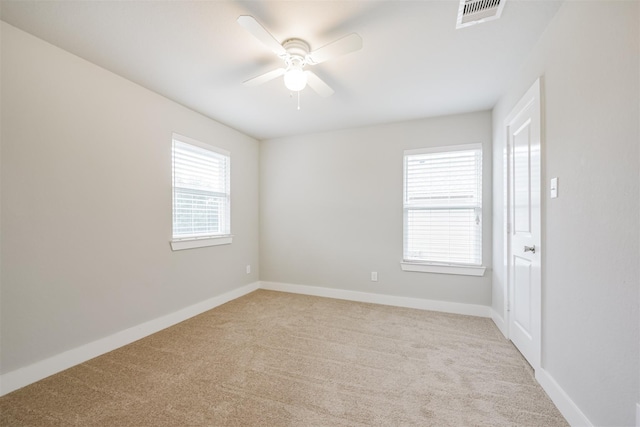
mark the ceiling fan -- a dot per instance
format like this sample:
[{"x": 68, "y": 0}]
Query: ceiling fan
[{"x": 296, "y": 56}]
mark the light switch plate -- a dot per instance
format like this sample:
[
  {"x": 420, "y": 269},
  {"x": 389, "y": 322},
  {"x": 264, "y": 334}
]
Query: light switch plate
[{"x": 554, "y": 188}]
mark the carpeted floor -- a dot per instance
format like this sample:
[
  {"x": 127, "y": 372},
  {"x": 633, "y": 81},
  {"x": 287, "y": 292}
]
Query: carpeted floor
[{"x": 278, "y": 359}]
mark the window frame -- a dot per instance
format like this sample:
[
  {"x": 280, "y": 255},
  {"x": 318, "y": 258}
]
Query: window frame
[
  {"x": 430, "y": 266},
  {"x": 215, "y": 239}
]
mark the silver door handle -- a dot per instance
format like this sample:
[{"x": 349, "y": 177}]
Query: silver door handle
[{"x": 531, "y": 249}]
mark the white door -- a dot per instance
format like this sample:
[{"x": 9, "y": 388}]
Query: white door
[{"x": 523, "y": 132}]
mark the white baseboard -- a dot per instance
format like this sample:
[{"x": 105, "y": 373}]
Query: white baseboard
[
  {"x": 567, "y": 407},
  {"x": 407, "y": 302},
  {"x": 29, "y": 374},
  {"x": 500, "y": 323}
]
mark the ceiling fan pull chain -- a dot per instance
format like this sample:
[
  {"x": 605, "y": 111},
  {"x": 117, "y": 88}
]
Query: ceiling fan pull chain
[{"x": 298, "y": 100}]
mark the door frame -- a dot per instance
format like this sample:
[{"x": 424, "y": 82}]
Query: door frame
[{"x": 533, "y": 95}]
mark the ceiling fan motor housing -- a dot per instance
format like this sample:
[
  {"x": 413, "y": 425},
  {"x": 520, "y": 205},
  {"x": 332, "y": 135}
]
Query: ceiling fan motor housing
[{"x": 297, "y": 51}]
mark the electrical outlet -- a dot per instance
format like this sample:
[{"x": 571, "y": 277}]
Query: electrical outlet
[
  {"x": 374, "y": 276},
  {"x": 248, "y": 269}
]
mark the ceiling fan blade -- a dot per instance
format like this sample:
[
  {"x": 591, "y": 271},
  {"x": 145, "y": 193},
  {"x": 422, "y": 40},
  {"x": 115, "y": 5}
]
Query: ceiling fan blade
[
  {"x": 250, "y": 24},
  {"x": 263, "y": 78},
  {"x": 318, "y": 85},
  {"x": 342, "y": 46}
]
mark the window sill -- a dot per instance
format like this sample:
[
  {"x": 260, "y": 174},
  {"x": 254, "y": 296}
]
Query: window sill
[
  {"x": 461, "y": 270},
  {"x": 200, "y": 242}
]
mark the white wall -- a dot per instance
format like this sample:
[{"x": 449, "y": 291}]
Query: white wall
[
  {"x": 589, "y": 60},
  {"x": 331, "y": 208},
  {"x": 86, "y": 204}
]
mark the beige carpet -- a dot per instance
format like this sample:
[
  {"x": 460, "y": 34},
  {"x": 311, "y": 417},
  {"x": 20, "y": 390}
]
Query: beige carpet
[{"x": 278, "y": 359}]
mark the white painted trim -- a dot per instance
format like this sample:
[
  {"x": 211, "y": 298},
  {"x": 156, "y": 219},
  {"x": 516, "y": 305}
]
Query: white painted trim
[
  {"x": 444, "y": 149},
  {"x": 397, "y": 301},
  {"x": 506, "y": 228},
  {"x": 637, "y": 414},
  {"x": 460, "y": 270},
  {"x": 29, "y": 374},
  {"x": 500, "y": 323},
  {"x": 192, "y": 141},
  {"x": 200, "y": 242},
  {"x": 567, "y": 407}
]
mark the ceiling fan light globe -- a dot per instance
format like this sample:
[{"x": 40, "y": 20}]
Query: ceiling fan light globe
[{"x": 295, "y": 79}]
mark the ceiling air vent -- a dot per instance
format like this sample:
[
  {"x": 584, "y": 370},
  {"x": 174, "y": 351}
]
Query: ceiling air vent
[{"x": 473, "y": 12}]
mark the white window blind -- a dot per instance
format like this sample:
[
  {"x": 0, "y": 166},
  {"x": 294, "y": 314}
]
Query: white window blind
[
  {"x": 443, "y": 205},
  {"x": 201, "y": 196}
]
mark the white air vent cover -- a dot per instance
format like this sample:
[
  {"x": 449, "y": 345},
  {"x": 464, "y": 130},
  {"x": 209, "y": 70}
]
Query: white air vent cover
[{"x": 473, "y": 12}]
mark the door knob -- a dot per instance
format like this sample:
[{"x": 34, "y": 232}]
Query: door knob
[{"x": 531, "y": 249}]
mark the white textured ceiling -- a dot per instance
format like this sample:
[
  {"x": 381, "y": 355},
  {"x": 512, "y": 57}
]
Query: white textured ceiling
[{"x": 413, "y": 64}]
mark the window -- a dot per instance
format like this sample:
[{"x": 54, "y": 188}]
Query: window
[
  {"x": 443, "y": 210},
  {"x": 201, "y": 196}
]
